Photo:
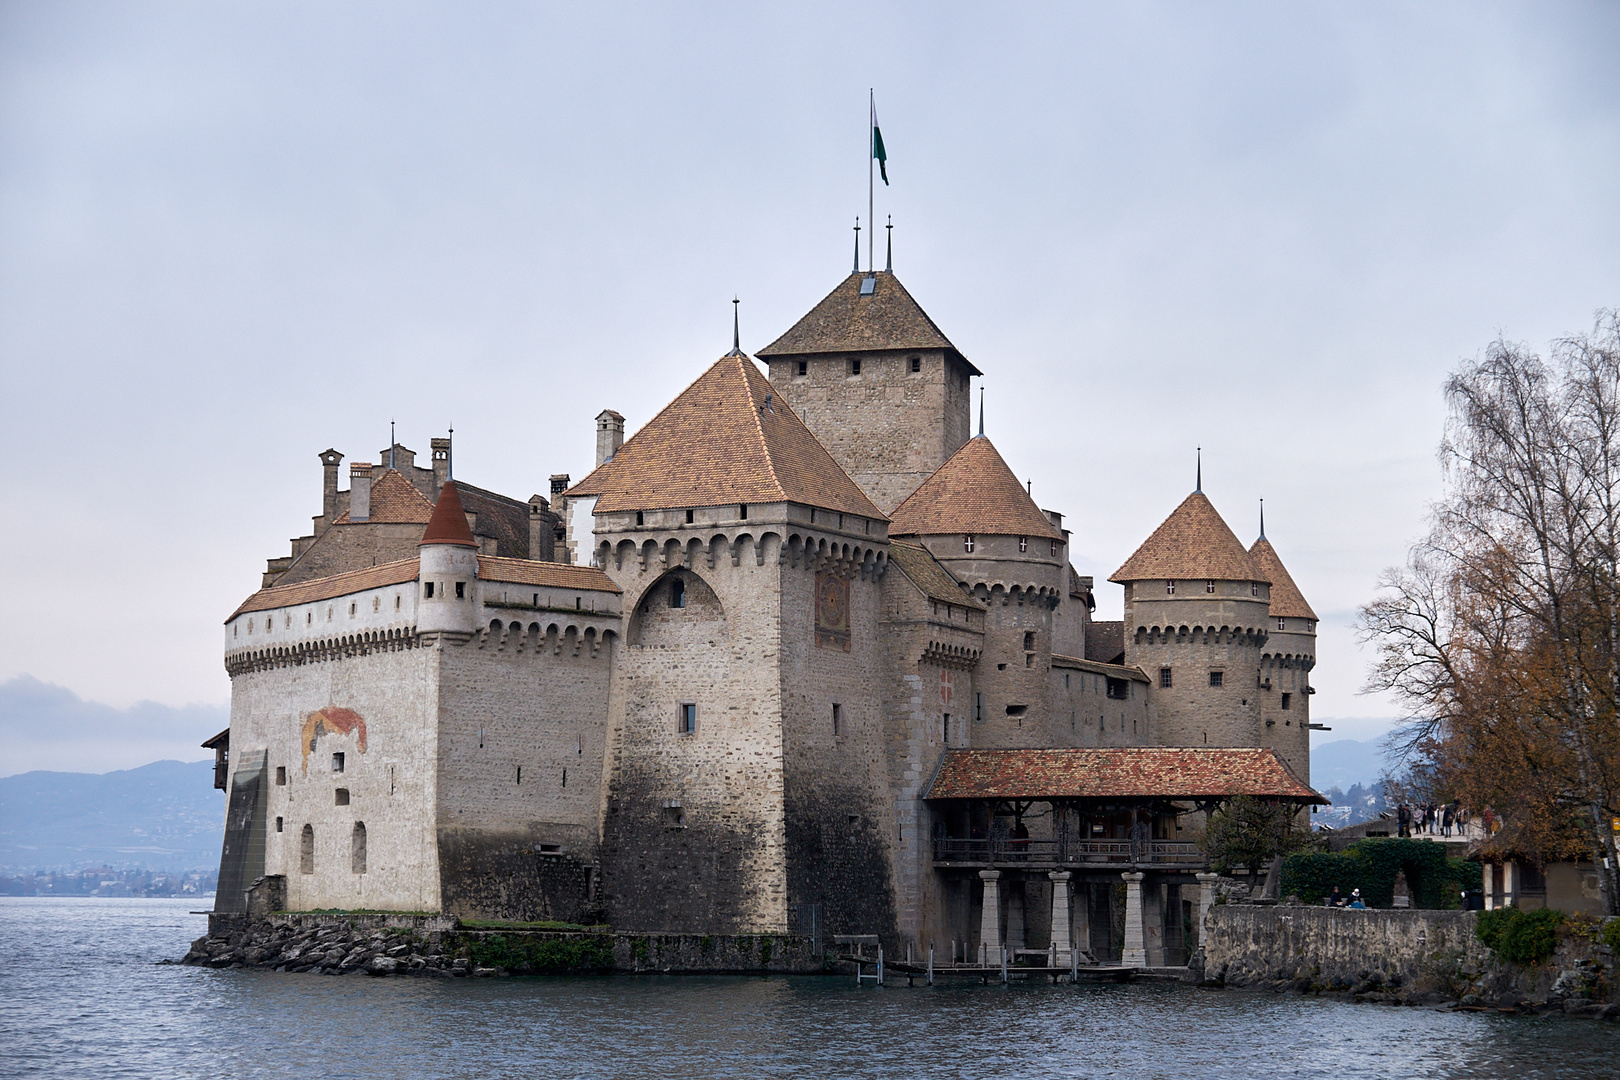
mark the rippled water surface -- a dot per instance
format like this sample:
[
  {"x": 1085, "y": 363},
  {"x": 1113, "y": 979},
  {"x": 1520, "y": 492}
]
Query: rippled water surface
[{"x": 81, "y": 994}]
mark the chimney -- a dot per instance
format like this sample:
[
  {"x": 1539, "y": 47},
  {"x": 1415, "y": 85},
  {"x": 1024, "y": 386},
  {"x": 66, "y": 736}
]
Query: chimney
[
  {"x": 359, "y": 491},
  {"x": 539, "y": 529},
  {"x": 441, "y": 463},
  {"x": 609, "y": 435},
  {"x": 329, "y": 486},
  {"x": 559, "y": 484}
]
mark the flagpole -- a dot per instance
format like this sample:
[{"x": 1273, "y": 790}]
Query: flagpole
[{"x": 871, "y": 156}]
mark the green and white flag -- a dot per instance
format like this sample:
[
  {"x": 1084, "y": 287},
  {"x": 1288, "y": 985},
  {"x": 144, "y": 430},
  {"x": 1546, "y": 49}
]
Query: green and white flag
[{"x": 877, "y": 147}]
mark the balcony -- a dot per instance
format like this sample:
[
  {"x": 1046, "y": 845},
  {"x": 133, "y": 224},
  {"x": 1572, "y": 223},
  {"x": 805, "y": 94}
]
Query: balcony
[{"x": 1064, "y": 853}]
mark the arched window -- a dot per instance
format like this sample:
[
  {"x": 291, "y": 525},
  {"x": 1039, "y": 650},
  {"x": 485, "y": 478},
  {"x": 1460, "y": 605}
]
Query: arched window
[
  {"x": 306, "y": 851},
  {"x": 677, "y": 593},
  {"x": 357, "y": 848}
]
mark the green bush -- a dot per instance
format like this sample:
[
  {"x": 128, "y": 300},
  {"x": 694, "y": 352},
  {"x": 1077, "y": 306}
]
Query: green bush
[
  {"x": 544, "y": 956},
  {"x": 1520, "y": 937},
  {"x": 1435, "y": 880},
  {"x": 1610, "y": 934}
]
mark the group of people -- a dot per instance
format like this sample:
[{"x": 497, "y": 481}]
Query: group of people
[
  {"x": 1442, "y": 819},
  {"x": 1336, "y": 899}
]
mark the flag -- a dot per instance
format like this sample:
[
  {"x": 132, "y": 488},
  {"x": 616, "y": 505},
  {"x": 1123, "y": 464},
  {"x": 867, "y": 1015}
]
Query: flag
[{"x": 877, "y": 148}]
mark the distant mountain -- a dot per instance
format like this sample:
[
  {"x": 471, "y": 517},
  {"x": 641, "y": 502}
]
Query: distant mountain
[
  {"x": 162, "y": 816},
  {"x": 1346, "y": 762}
]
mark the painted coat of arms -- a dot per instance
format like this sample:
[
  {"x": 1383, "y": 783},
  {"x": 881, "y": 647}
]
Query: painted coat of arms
[{"x": 832, "y": 611}]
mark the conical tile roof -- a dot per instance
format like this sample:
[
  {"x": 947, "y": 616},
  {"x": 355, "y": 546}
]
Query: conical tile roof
[
  {"x": 973, "y": 492},
  {"x": 1287, "y": 602},
  {"x": 849, "y": 321},
  {"x": 727, "y": 438},
  {"x": 1194, "y": 542},
  {"x": 448, "y": 525}
]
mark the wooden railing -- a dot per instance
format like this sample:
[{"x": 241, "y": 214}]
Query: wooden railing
[{"x": 1066, "y": 852}]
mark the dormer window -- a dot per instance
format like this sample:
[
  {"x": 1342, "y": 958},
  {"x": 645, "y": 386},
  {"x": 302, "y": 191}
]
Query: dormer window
[
  {"x": 1023, "y": 543},
  {"x": 1169, "y": 588},
  {"x": 967, "y": 543}
]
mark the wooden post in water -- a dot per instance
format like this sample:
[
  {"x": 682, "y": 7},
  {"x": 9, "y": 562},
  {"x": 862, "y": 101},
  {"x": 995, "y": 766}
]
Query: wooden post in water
[
  {"x": 880, "y": 964},
  {"x": 930, "y": 963},
  {"x": 1003, "y": 963}
]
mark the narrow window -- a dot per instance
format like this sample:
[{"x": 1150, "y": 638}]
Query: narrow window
[
  {"x": 536, "y": 601},
  {"x": 1169, "y": 588},
  {"x": 1023, "y": 543},
  {"x": 396, "y": 601},
  {"x": 742, "y": 512},
  {"x": 337, "y": 762},
  {"x": 1254, "y": 588},
  {"x": 309, "y": 618},
  {"x": 565, "y": 778},
  {"x": 639, "y": 519},
  {"x": 340, "y": 797},
  {"x": 945, "y": 730},
  {"x": 427, "y": 589},
  {"x": 916, "y": 364},
  {"x": 579, "y": 603},
  {"x": 357, "y": 848},
  {"x": 689, "y": 517},
  {"x": 520, "y": 774},
  {"x": 1164, "y": 678},
  {"x": 1215, "y": 678},
  {"x": 281, "y": 776},
  {"x": 1287, "y": 701},
  {"x": 804, "y": 367},
  {"x": 1209, "y": 586},
  {"x": 278, "y": 824},
  {"x": 328, "y": 612},
  {"x": 1029, "y": 659},
  {"x": 686, "y": 723},
  {"x": 1282, "y": 624},
  {"x": 674, "y": 815},
  {"x": 1054, "y": 549},
  {"x": 353, "y": 607},
  {"x": 1029, "y": 640},
  {"x": 376, "y": 603},
  {"x": 461, "y": 590},
  {"x": 838, "y": 719},
  {"x": 677, "y": 593},
  {"x": 1065, "y": 680},
  {"x": 855, "y": 366},
  {"x": 967, "y": 543},
  {"x": 306, "y": 850}
]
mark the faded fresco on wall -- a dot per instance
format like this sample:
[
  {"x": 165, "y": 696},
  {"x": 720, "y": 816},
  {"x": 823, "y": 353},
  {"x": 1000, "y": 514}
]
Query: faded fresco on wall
[
  {"x": 333, "y": 719},
  {"x": 832, "y": 611}
]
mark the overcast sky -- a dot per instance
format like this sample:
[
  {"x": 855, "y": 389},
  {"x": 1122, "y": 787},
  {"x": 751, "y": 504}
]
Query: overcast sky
[{"x": 232, "y": 235}]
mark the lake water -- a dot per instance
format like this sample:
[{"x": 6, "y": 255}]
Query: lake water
[{"x": 82, "y": 995}]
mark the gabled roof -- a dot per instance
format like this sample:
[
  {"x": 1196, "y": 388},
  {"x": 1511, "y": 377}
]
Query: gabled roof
[
  {"x": 1194, "y": 542},
  {"x": 931, "y": 578},
  {"x": 1141, "y": 772},
  {"x": 448, "y": 525},
  {"x": 1286, "y": 599},
  {"x": 326, "y": 588},
  {"x": 550, "y": 574},
  {"x": 846, "y": 321},
  {"x": 973, "y": 492},
  {"x": 394, "y": 501},
  {"x": 727, "y": 438}
]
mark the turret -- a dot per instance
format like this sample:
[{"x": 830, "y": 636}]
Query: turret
[
  {"x": 1286, "y": 662},
  {"x": 1196, "y": 613},
  {"x": 449, "y": 570}
]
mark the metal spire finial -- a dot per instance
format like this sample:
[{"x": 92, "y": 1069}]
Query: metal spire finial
[
  {"x": 736, "y": 332},
  {"x": 889, "y": 269},
  {"x": 981, "y": 412},
  {"x": 857, "y": 245},
  {"x": 1199, "y": 490},
  {"x": 450, "y": 456},
  {"x": 1262, "y": 519},
  {"x": 392, "y": 442}
]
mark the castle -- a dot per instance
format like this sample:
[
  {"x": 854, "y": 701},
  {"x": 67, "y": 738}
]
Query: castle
[{"x": 800, "y": 655}]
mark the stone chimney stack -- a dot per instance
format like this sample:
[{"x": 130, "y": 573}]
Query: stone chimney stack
[
  {"x": 359, "y": 491},
  {"x": 441, "y": 463},
  {"x": 609, "y": 435},
  {"x": 330, "y": 459},
  {"x": 539, "y": 528}
]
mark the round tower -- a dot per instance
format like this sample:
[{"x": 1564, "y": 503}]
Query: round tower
[
  {"x": 976, "y": 519},
  {"x": 1196, "y": 609},
  {"x": 1286, "y": 663},
  {"x": 448, "y": 579}
]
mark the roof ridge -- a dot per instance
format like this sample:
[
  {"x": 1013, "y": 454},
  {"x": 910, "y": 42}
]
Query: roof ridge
[{"x": 758, "y": 417}]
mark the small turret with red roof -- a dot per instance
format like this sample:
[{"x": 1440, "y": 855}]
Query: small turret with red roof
[{"x": 448, "y": 579}]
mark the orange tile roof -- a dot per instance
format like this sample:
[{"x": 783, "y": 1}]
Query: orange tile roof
[
  {"x": 846, "y": 321},
  {"x": 394, "y": 501},
  {"x": 1141, "y": 772},
  {"x": 449, "y": 522},
  {"x": 930, "y": 577},
  {"x": 552, "y": 574},
  {"x": 327, "y": 588},
  {"x": 1193, "y": 543},
  {"x": 1286, "y": 599},
  {"x": 973, "y": 492},
  {"x": 727, "y": 438}
]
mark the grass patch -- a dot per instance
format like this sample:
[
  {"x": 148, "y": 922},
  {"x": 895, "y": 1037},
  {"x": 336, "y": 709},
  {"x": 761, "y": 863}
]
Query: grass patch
[{"x": 543, "y": 924}]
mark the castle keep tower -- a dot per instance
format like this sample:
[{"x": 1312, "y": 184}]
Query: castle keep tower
[
  {"x": 1286, "y": 663},
  {"x": 878, "y": 383},
  {"x": 1196, "y": 608}
]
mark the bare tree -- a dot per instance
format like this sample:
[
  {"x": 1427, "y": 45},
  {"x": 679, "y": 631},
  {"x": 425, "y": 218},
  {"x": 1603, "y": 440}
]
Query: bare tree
[{"x": 1502, "y": 633}]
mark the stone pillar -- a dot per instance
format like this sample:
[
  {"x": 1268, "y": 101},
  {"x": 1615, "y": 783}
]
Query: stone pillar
[
  {"x": 1510, "y": 884},
  {"x": 1206, "y": 900},
  {"x": 990, "y": 919},
  {"x": 1134, "y": 954},
  {"x": 1060, "y": 915}
]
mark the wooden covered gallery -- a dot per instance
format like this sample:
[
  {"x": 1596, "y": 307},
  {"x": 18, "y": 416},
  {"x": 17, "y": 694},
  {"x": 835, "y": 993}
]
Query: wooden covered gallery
[{"x": 1041, "y": 851}]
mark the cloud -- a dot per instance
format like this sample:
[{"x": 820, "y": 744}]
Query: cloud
[{"x": 49, "y": 727}]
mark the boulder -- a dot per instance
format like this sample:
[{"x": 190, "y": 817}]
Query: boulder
[{"x": 382, "y": 965}]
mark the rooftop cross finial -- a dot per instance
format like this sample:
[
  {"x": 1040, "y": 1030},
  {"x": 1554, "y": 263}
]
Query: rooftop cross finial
[
  {"x": 1199, "y": 490},
  {"x": 1262, "y": 519},
  {"x": 449, "y": 456},
  {"x": 857, "y": 245},
  {"x": 392, "y": 442},
  {"x": 889, "y": 269},
  {"x": 736, "y": 334},
  {"x": 981, "y": 412}
]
